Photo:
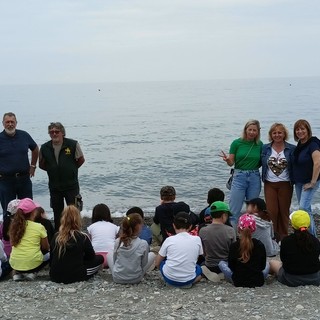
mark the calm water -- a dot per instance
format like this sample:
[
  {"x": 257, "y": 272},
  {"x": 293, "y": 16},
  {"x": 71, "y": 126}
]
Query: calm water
[{"x": 137, "y": 137}]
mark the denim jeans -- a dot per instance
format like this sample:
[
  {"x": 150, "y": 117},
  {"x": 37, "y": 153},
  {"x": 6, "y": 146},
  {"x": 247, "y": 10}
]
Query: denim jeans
[
  {"x": 246, "y": 185},
  {"x": 223, "y": 265},
  {"x": 12, "y": 188},
  {"x": 304, "y": 200}
]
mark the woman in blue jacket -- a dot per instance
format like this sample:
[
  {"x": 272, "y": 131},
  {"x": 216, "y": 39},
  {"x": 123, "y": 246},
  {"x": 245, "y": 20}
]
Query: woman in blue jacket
[{"x": 277, "y": 158}]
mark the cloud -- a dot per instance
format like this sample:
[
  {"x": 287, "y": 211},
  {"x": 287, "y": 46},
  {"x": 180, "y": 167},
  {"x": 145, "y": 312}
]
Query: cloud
[{"x": 148, "y": 40}]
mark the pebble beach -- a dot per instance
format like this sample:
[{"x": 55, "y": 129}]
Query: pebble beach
[{"x": 101, "y": 298}]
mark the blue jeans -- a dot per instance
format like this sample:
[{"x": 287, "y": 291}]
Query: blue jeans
[
  {"x": 223, "y": 265},
  {"x": 12, "y": 188},
  {"x": 304, "y": 200},
  {"x": 6, "y": 269},
  {"x": 246, "y": 185}
]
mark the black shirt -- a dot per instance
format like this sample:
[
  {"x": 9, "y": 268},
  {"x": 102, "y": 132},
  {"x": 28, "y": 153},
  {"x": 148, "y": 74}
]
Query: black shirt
[
  {"x": 248, "y": 274},
  {"x": 296, "y": 261},
  {"x": 71, "y": 266},
  {"x": 164, "y": 215}
]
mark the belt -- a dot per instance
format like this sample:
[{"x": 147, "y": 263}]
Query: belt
[
  {"x": 240, "y": 170},
  {"x": 13, "y": 175}
]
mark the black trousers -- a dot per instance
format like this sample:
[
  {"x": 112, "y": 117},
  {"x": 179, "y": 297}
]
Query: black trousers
[{"x": 57, "y": 202}]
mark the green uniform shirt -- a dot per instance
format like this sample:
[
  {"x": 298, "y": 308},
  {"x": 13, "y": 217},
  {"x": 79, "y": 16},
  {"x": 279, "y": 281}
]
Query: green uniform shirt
[{"x": 247, "y": 154}]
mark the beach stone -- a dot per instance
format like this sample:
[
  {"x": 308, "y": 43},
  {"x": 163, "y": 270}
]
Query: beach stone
[
  {"x": 176, "y": 306},
  {"x": 70, "y": 290}
]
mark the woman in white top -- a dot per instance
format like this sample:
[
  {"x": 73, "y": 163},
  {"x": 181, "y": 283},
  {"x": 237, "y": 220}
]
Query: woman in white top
[
  {"x": 103, "y": 233},
  {"x": 277, "y": 158}
]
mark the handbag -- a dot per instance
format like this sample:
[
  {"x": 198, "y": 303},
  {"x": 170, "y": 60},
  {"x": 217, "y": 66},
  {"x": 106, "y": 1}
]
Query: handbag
[{"x": 229, "y": 182}]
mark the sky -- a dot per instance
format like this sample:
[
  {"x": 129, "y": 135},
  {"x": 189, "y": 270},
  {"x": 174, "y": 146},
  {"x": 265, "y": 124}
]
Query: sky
[{"x": 77, "y": 41}]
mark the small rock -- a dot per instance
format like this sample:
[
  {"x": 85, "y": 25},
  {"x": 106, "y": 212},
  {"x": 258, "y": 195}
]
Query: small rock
[
  {"x": 70, "y": 290},
  {"x": 177, "y": 306}
]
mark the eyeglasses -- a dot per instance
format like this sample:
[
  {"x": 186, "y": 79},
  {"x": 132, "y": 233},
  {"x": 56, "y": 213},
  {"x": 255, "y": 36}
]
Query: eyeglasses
[{"x": 54, "y": 132}]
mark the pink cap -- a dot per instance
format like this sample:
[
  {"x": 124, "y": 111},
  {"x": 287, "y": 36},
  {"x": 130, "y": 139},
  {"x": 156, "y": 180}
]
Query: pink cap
[
  {"x": 27, "y": 205},
  {"x": 247, "y": 221}
]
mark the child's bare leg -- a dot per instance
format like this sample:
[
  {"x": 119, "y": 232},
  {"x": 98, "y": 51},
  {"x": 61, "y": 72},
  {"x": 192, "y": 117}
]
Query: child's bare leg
[{"x": 275, "y": 266}]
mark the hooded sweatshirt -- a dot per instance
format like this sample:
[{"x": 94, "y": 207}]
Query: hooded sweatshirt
[
  {"x": 265, "y": 234},
  {"x": 130, "y": 261}
]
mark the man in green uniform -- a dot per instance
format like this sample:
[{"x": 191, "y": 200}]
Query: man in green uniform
[{"x": 61, "y": 157}]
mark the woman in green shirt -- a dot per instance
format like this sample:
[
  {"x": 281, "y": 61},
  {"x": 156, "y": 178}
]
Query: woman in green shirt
[{"x": 245, "y": 155}]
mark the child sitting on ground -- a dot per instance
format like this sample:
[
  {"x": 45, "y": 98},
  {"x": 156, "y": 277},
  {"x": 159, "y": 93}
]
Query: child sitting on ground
[
  {"x": 131, "y": 256},
  {"x": 264, "y": 231},
  {"x": 216, "y": 240},
  {"x": 42, "y": 218},
  {"x": 214, "y": 194},
  {"x": 5, "y": 268},
  {"x": 27, "y": 238},
  {"x": 5, "y": 225},
  {"x": 299, "y": 254},
  {"x": 205, "y": 218},
  {"x": 103, "y": 233},
  {"x": 179, "y": 253},
  {"x": 165, "y": 212},
  {"x": 247, "y": 264},
  {"x": 72, "y": 256},
  {"x": 146, "y": 233}
]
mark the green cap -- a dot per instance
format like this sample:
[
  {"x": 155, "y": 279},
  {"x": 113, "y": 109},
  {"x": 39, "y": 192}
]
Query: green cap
[{"x": 220, "y": 206}]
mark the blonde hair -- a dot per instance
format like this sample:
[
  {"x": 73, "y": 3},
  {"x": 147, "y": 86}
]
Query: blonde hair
[
  {"x": 301, "y": 123},
  {"x": 281, "y": 127},
  {"x": 251, "y": 123},
  {"x": 70, "y": 225}
]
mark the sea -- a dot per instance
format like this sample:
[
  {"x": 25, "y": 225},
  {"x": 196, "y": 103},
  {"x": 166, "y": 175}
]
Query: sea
[{"x": 139, "y": 136}]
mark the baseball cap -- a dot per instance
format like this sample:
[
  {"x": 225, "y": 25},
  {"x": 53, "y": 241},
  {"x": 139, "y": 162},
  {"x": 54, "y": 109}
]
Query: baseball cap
[
  {"x": 260, "y": 203},
  {"x": 247, "y": 221},
  {"x": 219, "y": 206},
  {"x": 207, "y": 212},
  {"x": 13, "y": 206},
  {"x": 300, "y": 219},
  {"x": 167, "y": 191},
  {"x": 27, "y": 205}
]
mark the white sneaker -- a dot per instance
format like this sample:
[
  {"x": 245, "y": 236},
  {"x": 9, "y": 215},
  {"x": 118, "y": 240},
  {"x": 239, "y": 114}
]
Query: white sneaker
[
  {"x": 211, "y": 276},
  {"x": 18, "y": 277},
  {"x": 30, "y": 276}
]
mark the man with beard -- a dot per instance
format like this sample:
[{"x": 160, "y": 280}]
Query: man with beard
[
  {"x": 15, "y": 168},
  {"x": 61, "y": 157}
]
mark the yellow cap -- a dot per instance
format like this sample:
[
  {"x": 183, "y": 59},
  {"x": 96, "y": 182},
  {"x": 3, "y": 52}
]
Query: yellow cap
[{"x": 300, "y": 219}]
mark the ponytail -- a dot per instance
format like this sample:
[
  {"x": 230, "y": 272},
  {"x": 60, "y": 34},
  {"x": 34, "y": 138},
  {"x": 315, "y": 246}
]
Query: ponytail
[
  {"x": 129, "y": 227},
  {"x": 18, "y": 226},
  {"x": 246, "y": 245}
]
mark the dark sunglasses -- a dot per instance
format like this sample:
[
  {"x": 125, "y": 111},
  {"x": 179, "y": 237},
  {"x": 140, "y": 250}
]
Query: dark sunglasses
[{"x": 54, "y": 131}]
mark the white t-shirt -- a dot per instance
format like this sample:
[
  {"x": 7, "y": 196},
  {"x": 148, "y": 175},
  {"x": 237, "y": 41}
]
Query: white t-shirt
[
  {"x": 103, "y": 235},
  {"x": 277, "y": 167},
  {"x": 182, "y": 251}
]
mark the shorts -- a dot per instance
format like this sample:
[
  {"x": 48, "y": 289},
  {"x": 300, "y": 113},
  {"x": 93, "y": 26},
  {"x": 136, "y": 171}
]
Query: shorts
[
  {"x": 104, "y": 255},
  {"x": 180, "y": 284}
]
